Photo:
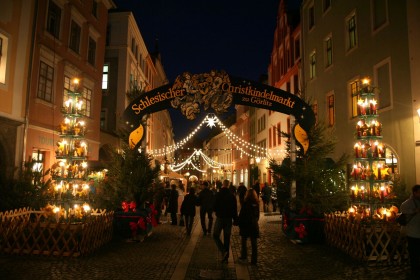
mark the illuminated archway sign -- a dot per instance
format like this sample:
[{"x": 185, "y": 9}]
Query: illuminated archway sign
[{"x": 219, "y": 91}]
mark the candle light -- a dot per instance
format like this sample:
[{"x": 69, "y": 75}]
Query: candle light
[
  {"x": 379, "y": 171},
  {"x": 360, "y": 128},
  {"x": 359, "y": 106},
  {"x": 363, "y": 192},
  {"x": 382, "y": 193},
  {"x": 356, "y": 149},
  {"x": 372, "y": 106},
  {"x": 355, "y": 171},
  {"x": 353, "y": 192},
  {"x": 56, "y": 211}
]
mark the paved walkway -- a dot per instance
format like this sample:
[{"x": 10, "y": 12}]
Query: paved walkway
[{"x": 170, "y": 254}]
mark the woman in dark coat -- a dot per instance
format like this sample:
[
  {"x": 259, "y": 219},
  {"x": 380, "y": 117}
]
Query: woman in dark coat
[
  {"x": 248, "y": 224},
  {"x": 173, "y": 204},
  {"x": 188, "y": 209}
]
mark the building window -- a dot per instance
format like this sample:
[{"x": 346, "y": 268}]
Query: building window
[
  {"x": 87, "y": 101},
  {"x": 289, "y": 129},
  {"x": 38, "y": 161},
  {"x": 3, "y": 57},
  {"x": 95, "y": 9},
  {"x": 278, "y": 134},
  {"x": 68, "y": 87},
  {"x": 312, "y": 68},
  {"x": 261, "y": 124},
  {"x": 383, "y": 76},
  {"x": 45, "y": 83},
  {"x": 296, "y": 84},
  {"x": 311, "y": 17},
  {"x": 331, "y": 111},
  {"x": 105, "y": 75},
  {"x": 351, "y": 32},
  {"x": 75, "y": 31},
  {"x": 354, "y": 95},
  {"x": 328, "y": 52},
  {"x": 92, "y": 51},
  {"x": 53, "y": 19},
  {"x": 326, "y": 5},
  {"x": 380, "y": 13},
  {"x": 269, "y": 138}
]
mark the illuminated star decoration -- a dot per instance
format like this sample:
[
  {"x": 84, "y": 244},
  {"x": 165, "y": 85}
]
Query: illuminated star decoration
[{"x": 211, "y": 121}]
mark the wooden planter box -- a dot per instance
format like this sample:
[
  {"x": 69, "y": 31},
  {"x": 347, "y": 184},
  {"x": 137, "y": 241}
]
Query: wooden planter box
[
  {"x": 25, "y": 231},
  {"x": 377, "y": 243}
]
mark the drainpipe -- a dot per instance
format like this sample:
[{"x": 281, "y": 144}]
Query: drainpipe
[{"x": 29, "y": 83}]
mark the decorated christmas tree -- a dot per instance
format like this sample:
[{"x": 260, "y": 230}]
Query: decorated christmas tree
[
  {"x": 370, "y": 178},
  {"x": 69, "y": 173}
]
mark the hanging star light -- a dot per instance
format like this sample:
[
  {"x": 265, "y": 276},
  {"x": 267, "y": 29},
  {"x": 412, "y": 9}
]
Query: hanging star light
[{"x": 211, "y": 121}]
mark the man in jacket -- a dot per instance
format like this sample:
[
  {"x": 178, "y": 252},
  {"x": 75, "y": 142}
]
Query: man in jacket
[{"x": 225, "y": 208}]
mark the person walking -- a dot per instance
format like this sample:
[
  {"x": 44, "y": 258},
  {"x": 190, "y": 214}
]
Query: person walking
[
  {"x": 225, "y": 207},
  {"x": 181, "y": 194},
  {"x": 241, "y": 193},
  {"x": 411, "y": 207},
  {"x": 173, "y": 204},
  {"x": 266, "y": 196},
  {"x": 188, "y": 209},
  {"x": 248, "y": 225},
  {"x": 205, "y": 201}
]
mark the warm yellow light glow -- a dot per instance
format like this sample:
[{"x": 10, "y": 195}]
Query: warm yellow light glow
[
  {"x": 86, "y": 207},
  {"x": 418, "y": 112},
  {"x": 366, "y": 81},
  {"x": 76, "y": 81}
]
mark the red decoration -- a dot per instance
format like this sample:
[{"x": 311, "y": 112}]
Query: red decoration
[
  {"x": 142, "y": 223},
  {"x": 125, "y": 206},
  {"x": 301, "y": 231}
]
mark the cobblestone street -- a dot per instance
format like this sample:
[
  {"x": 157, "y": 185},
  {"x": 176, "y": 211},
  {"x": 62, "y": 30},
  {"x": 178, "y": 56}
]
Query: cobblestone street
[{"x": 170, "y": 254}]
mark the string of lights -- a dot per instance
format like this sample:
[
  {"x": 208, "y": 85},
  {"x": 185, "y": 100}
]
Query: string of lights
[{"x": 240, "y": 144}]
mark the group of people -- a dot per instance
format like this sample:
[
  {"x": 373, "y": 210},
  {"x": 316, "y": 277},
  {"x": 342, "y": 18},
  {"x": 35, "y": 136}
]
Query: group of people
[{"x": 223, "y": 203}]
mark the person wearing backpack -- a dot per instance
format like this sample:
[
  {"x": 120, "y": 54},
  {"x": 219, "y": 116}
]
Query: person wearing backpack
[{"x": 411, "y": 207}]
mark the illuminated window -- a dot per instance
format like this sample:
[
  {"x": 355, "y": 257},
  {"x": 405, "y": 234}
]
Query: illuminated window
[
  {"x": 105, "y": 75},
  {"x": 3, "y": 58},
  {"x": 38, "y": 161},
  {"x": 354, "y": 95},
  {"x": 87, "y": 101}
]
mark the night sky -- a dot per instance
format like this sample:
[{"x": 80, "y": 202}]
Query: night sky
[{"x": 201, "y": 35}]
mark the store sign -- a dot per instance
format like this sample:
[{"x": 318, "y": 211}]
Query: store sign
[{"x": 217, "y": 91}]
